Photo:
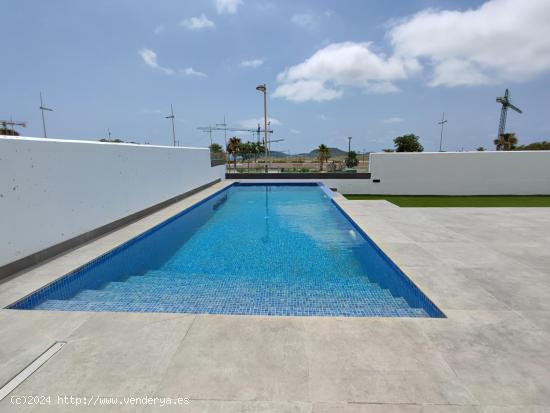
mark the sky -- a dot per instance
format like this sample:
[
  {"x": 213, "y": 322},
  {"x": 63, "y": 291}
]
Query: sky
[{"x": 372, "y": 70}]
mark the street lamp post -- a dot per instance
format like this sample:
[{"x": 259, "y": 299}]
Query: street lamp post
[{"x": 263, "y": 88}]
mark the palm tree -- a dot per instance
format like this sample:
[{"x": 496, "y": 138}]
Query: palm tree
[
  {"x": 233, "y": 148},
  {"x": 258, "y": 150},
  {"x": 323, "y": 155},
  {"x": 248, "y": 150},
  {"x": 506, "y": 142}
]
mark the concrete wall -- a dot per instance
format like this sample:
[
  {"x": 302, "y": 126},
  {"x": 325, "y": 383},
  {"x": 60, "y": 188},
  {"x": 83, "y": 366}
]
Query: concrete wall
[
  {"x": 450, "y": 173},
  {"x": 53, "y": 190},
  {"x": 459, "y": 173}
]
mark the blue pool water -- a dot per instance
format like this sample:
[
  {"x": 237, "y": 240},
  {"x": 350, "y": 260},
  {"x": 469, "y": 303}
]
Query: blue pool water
[{"x": 249, "y": 249}]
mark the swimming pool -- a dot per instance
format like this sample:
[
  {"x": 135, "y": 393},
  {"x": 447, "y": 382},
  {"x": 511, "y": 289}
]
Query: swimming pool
[{"x": 262, "y": 249}]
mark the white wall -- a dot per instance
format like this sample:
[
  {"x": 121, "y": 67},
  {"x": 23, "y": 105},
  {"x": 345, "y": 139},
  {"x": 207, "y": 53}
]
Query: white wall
[
  {"x": 459, "y": 173},
  {"x": 451, "y": 173},
  {"x": 52, "y": 190}
]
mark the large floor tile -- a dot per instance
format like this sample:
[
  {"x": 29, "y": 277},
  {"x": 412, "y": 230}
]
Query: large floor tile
[
  {"x": 27, "y": 334},
  {"x": 520, "y": 289},
  {"x": 234, "y": 406},
  {"x": 467, "y": 254},
  {"x": 378, "y": 361},
  {"x": 499, "y": 356},
  {"x": 240, "y": 358},
  {"x": 541, "y": 319},
  {"x": 450, "y": 288},
  {"x": 112, "y": 354},
  {"x": 390, "y": 408},
  {"x": 409, "y": 254}
]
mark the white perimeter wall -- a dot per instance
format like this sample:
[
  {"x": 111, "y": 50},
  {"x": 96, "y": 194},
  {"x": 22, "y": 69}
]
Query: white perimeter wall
[
  {"x": 53, "y": 190},
  {"x": 459, "y": 173},
  {"x": 451, "y": 173}
]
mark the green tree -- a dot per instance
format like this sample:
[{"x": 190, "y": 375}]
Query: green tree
[
  {"x": 408, "y": 143},
  {"x": 216, "y": 148},
  {"x": 117, "y": 140},
  {"x": 480, "y": 149},
  {"x": 535, "y": 146},
  {"x": 8, "y": 132},
  {"x": 234, "y": 148},
  {"x": 351, "y": 160},
  {"x": 506, "y": 142},
  {"x": 323, "y": 155},
  {"x": 388, "y": 150}
]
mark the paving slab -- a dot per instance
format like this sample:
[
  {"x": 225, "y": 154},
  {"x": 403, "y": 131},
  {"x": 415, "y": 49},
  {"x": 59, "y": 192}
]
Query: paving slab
[
  {"x": 390, "y": 408},
  {"x": 27, "y": 334},
  {"x": 378, "y": 361},
  {"x": 500, "y": 357},
  {"x": 112, "y": 354},
  {"x": 240, "y": 358},
  {"x": 451, "y": 288},
  {"x": 486, "y": 268}
]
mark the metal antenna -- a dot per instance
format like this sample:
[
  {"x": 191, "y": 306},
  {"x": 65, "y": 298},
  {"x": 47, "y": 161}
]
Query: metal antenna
[
  {"x": 224, "y": 129},
  {"x": 43, "y": 108},
  {"x": 442, "y": 123},
  {"x": 171, "y": 116},
  {"x": 505, "y": 102},
  {"x": 12, "y": 123}
]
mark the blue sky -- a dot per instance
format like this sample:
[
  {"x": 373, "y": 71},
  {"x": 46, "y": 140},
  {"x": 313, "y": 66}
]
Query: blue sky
[{"x": 368, "y": 69}]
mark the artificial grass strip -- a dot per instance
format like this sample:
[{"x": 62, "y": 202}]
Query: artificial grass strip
[{"x": 487, "y": 201}]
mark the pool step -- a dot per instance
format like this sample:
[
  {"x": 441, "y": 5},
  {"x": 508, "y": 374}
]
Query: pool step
[
  {"x": 243, "y": 297},
  {"x": 165, "y": 291},
  {"x": 372, "y": 311}
]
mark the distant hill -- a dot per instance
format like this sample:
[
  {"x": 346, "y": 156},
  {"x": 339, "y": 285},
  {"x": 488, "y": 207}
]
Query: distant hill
[
  {"x": 277, "y": 154},
  {"x": 333, "y": 153},
  {"x": 312, "y": 154}
]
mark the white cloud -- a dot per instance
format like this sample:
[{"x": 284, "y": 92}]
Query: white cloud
[
  {"x": 306, "y": 90},
  {"x": 322, "y": 117},
  {"x": 303, "y": 19},
  {"x": 253, "y": 123},
  {"x": 190, "y": 72},
  {"x": 254, "y": 63},
  {"x": 197, "y": 23},
  {"x": 502, "y": 40},
  {"x": 150, "y": 59},
  {"x": 158, "y": 29},
  {"x": 393, "y": 120},
  {"x": 295, "y": 131},
  {"x": 322, "y": 76},
  {"x": 228, "y": 6}
]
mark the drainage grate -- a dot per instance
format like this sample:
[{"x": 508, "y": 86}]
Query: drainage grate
[{"x": 30, "y": 369}]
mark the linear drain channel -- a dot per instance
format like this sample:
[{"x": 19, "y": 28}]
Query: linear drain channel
[{"x": 30, "y": 369}]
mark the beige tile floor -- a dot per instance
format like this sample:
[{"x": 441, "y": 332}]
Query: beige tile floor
[{"x": 487, "y": 269}]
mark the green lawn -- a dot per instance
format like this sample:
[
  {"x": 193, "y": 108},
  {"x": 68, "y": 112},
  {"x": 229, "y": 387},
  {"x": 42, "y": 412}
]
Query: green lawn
[{"x": 459, "y": 201}]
